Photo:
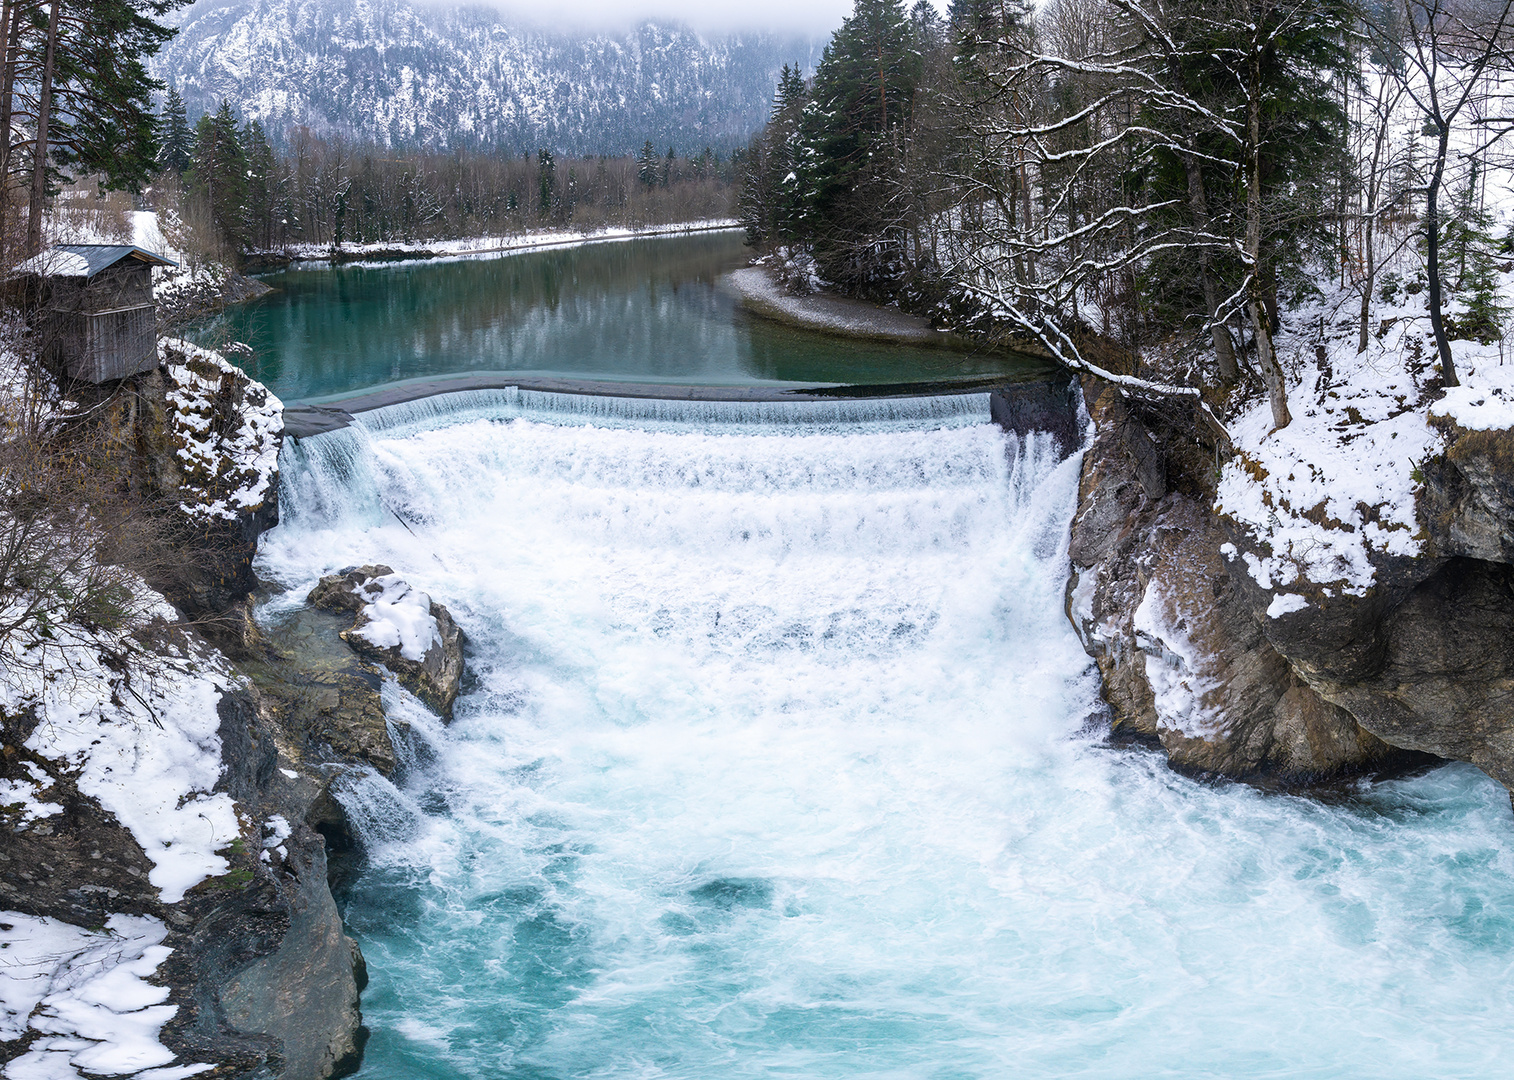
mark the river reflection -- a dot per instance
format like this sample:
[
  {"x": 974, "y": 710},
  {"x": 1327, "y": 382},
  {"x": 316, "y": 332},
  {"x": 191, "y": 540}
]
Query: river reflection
[{"x": 650, "y": 310}]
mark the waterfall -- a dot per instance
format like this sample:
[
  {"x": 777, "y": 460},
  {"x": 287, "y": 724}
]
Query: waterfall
[
  {"x": 661, "y": 414},
  {"x": 775, "y": 761}
]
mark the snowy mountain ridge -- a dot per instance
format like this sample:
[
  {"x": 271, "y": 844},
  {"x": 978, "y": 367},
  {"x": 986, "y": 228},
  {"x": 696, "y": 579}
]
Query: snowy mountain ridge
[{"x": 409, "y": 75}]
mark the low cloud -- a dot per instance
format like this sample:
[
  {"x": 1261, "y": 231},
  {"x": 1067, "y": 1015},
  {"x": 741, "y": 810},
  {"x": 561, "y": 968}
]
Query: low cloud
[{"x": 810, "y": 17}]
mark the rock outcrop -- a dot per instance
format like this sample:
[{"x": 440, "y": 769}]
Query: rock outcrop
[
  {"x": 1427, "y": 665},
  {"x": 324, "y": 698},
  {"x": 1198, "y": 655},
  {"x": 1183, "y": 658},
  {"x": 205, "y": 442},
  {"x": 264, "y": 981},
  {"x": 1468, "y": 501},
  {"x": 399, "y": 627}
]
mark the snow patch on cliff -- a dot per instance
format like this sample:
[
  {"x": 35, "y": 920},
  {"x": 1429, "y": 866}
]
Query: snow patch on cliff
[
  {"x": 23, "y": 797},
  {"x": 1337, "y": 484},
  {"x": 84, "y": 996},
  {"x": 145, "y": 748},
  {"x": 226, "y": 430}
]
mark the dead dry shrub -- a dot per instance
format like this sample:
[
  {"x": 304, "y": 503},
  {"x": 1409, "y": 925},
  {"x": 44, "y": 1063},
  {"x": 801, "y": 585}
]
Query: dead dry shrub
[{"x": 86, "y": 548}]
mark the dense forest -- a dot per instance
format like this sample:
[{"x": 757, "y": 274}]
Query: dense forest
[
  {"x": 1160, "y": 176},
  {"x": 234, "y": 192}
]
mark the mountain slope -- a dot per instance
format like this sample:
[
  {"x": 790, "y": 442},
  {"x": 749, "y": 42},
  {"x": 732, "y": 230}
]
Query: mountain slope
[{"x": 405, "y": 74}]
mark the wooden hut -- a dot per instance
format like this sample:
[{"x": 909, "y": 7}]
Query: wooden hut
[{"x": 98, "y": 322}]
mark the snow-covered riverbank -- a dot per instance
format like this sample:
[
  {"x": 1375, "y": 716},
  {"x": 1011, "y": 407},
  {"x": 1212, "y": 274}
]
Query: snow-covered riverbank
[{"x": 391, "y": 251}]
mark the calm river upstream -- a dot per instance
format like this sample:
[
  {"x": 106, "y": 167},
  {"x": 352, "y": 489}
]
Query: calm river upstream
[
  {"x": 649, "y": 310},
  {"x": 779, "y": 757}
]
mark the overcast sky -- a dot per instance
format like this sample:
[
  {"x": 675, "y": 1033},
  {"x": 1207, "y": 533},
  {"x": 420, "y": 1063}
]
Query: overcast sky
[{"x": 806, "y": 16}]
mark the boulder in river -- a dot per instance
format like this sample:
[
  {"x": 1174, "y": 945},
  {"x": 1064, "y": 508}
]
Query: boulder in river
[{"x": 400, "y": 627}]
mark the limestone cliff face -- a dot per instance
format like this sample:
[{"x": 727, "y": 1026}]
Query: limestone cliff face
[
  {"x": 205, "y": 439},
  {"x": 1468, "y": 505},
  {"x": 1426, "y": 660},
  {"x": 264, "y": 979},
  {"x": 1194, "y": 653},
  {"x": 1171, "y": 628}
]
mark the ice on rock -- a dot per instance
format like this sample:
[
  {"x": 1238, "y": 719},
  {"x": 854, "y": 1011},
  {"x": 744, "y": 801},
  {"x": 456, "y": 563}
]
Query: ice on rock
[{"x": 1174, "y": 669}]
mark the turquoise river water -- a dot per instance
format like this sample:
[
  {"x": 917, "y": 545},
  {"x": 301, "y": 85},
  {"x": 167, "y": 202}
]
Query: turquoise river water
[
  {"x": 647, "y": 310},
  {"x": 780, "y": 759}
]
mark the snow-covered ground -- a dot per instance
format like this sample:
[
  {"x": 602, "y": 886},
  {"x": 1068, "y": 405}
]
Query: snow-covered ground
[
  {"x": 85, "y": 995},
  {"x": 490, "y": 245},
  {"x": 1338, "y": 484}
]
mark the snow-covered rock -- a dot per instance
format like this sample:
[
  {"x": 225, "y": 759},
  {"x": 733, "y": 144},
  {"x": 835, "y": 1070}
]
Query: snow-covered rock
[
  {"x": 1365, "y": 552},
  {"x": 225, "y": 429},
  {"x": 1156, "y": 602},
  {"x": 145, "y": 748},
  {"x": 207, "y": 439},
  {"x": 400, "y": 627},
  {"x": 175, "y": 831}
]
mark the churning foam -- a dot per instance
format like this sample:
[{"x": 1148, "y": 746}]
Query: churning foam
[{"x": 772, "y": 766}]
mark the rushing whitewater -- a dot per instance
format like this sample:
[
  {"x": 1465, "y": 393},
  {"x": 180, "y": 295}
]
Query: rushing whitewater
[{"x": 781, "y": 759}]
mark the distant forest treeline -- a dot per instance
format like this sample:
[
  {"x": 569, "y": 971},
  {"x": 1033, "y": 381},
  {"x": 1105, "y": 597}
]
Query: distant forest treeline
[{"x": 232, "y": 192}]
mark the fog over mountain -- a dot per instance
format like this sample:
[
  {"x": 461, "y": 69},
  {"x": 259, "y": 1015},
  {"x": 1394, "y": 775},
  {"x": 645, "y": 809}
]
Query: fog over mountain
[
  {"x": 818, "y": 17},
  {"x": 425, "y": 74}
]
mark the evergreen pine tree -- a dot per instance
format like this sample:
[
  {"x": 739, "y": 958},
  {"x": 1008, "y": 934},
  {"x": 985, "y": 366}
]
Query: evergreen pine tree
[
  {"x": 258, "y": 227},
  {"x": 647, "y": 165},
  {"x": 219, "y": 175},
  {"x": 175, "y": 137},
  {"x": 786, "y": 156},
  {"x": 102, "y": 116},
  {"x": 772, "y": 192},
  {"x": 1468, "y": 250},
  {"x": 546, "y": 184},
  {"x": 853, "y": 132}
]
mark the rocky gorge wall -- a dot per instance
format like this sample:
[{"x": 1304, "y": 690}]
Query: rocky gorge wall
[
  {"x": 1199, "y": 657},
  {"x": 255, "y": 976}
]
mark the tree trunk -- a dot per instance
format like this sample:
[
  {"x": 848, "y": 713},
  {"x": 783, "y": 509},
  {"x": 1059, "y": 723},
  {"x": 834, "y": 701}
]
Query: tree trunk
[
  {"x": 1432, "y": 257},
  {"x": 1261, "y": 325},
  {"x": 1224, "y": 349},
  {"x": 1371, "y": 275},
  {"x": 10, "y": 24},
  {"x": 44, "y": 118},
  {"x": 1369, "y": 226}
]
